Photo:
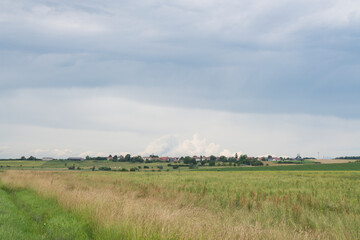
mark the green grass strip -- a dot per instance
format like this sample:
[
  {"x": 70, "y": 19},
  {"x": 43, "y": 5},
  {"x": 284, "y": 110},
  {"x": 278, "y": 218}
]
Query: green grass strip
[{"x": 25, "y": 215}]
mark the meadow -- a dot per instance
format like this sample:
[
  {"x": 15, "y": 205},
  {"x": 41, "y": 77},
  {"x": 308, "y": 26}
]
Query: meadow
[
  {"x": 351, "y": 166},
  {"x": 199, "y": 204},
  {"x": 84, "y": 165}
]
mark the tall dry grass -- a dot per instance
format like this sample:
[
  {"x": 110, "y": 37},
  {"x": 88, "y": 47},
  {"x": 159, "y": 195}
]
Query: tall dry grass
[{"x": 198, "y": 205}]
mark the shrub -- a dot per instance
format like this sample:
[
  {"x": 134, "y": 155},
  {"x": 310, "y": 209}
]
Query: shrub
[
  {"x": 193, "y": 166},
  {"x": 134, "y": 169},
  {"x": 160, "y": 167},
  {"x": 175, "y": 166},
  {"x": 104, "y": 168},
  {"x": 124, "y": 170}
]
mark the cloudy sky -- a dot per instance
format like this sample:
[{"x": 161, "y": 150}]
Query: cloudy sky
[{"x": 179, "y": 77}]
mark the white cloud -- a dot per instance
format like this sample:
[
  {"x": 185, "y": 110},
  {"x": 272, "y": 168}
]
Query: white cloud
[
  {"x": 173, "y": 146},
  {"x": 103, "y": 123},
  {"x": 57, "y": 153}
]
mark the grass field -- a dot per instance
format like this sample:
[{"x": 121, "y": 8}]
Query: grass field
[
  {"x": 352, "y": 166},
  {"x": 25, "y": 215},
  {"x": 341, "y": 165},
  {"x": 85, "y": 165},
  {"x": 203, "y": 205}
]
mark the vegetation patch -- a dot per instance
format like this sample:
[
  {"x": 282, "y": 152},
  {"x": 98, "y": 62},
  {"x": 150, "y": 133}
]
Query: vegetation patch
[
  {"x": 353, "y": 166},
  {"x": 25, "y": 215}
]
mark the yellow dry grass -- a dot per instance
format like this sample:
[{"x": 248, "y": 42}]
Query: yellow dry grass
[
  {"x": 330, "y": 161},
  {"x": 144, "y": 211}
]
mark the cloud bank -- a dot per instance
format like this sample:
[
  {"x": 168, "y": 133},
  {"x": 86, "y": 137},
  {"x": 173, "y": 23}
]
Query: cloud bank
[{"x": 131, "y": 72}]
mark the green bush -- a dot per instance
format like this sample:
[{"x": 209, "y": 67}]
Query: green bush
[{"x": 104, "y": 168}]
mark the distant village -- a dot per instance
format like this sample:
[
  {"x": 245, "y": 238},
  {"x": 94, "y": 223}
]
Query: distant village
[{"x": 156, "y": 158}]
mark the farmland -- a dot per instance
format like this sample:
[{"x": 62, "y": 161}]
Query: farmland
[
  {"x": 198, "y": 204},
  {"x": 352, "y": 166}
]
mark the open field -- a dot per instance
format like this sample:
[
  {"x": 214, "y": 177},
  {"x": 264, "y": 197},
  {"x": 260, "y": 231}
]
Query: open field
[
  {"x": 330, "y": 161},
  {"x": 353, "y": 166},
  {"x": 86, "y": 165},
  {"x": 204, "y": 205}
]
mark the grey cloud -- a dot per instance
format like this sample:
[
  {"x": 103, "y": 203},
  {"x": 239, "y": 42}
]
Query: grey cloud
[{"x": 248, "y": 56}]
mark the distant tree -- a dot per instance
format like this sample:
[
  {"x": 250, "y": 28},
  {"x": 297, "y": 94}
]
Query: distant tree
[
  {"x": 242, "y": 158},
  {"x": 189, "y": 160},
  {"x": 211, "y": 163},
  {"x": 23, "y": 158},
  {"x": 212, "y": 158},
  {"x": 87, "y": 158},
  {"x": 32, "y": 158},
  {"x": 236, "y": 156},
  {"x": 137, "y": 159},
  {"x": 232, "y": 159},
  {"x": 223, "y": 159},
  {"x": 115, "y": 158},
  {"x": 127, "y": 158}
]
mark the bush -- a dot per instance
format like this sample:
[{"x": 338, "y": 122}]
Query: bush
[
  {"x": 193, "y": 166},
  {"x": 78, "y": 168},
  {"x": 146, "y": 166},
  {"x": 160, "y": 167},
  {"x": 123, "y": 170},
  {"x": 104, "y": 168},
  {"x": 134, "y": 169},
  {"x": 175, "y": 166}
]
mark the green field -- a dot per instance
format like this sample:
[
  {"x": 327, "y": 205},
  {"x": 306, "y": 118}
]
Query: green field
[
  {"x": 85, "y": 165},
  {"x": 355, "y": 166},
  {"x": 188, "y": 204}
]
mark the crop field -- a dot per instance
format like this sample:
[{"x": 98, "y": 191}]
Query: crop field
[
  {"x": 351, "y": 166},
  {"x": 180, "y": 204},
  {"x": 85, "y": 165}
]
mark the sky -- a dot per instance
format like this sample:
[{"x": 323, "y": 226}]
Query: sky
[{"x": 178, "y": 78}]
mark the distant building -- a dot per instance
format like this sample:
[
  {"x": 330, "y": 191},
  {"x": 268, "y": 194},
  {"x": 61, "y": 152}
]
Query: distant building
[
  {"x": 164, "y": 159},
  {"x": 76, "y": 159},
  {"x": 47, "y": 158}
]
